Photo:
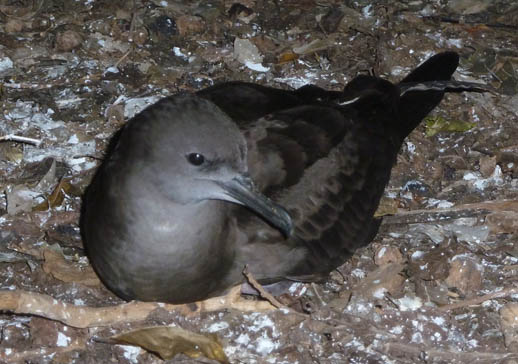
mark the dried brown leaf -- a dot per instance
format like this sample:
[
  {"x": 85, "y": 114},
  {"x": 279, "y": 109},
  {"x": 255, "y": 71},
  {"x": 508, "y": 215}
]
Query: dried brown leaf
[
  {"x": 487, "y": 165},
  {"x": 167, "y": 341},
  {"x": 57, "y": 196},
  {"x": 14, "y": 26},
  {"x": 313, "y": 46},
  {"x": 12, "y": 152},
  {"x": 331, "y": 20},
  {"x": 387, "y": 206},
  {"x": 503, "y": 222},
  {"x": 68, "y": 40},
  {"x": 20, "y": 199},
  {"x": 432, "y": 266},
  {"x": 432, "y": 291},
  {"x": 189, "y": 25},
  {"x": 56, "y": 265},
  {"x": 386, "y": 278},
  {"x": 509, "y": 324},
  {"x": 287, "y": 57},
  {"x": 115, "y": 113},
  {"x": 386, "y": 254},
  {"x": 465, "y": 274},
  {"x": 49, "y": 180}
]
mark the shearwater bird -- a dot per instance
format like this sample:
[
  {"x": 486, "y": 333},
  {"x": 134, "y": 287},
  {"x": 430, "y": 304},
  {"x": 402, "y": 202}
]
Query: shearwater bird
[{"x": 197, "y": 186}]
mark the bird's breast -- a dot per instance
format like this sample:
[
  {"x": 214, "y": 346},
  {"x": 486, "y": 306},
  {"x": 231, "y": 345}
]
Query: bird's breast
[{"x": 156, "y": 250}]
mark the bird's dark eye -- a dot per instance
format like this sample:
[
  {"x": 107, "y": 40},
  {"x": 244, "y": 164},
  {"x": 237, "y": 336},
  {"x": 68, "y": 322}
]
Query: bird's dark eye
[{"x": 196, "y": 159}]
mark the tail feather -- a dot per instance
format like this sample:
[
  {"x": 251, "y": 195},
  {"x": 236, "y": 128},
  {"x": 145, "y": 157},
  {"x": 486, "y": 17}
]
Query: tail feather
[
  {"x": 423, "y": 89},
  {"x": 438, "y": 67},
  {"x": 443, "y": 85}
]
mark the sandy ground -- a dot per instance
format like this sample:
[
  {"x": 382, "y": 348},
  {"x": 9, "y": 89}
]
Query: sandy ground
[{"x": 437, "y": 285}]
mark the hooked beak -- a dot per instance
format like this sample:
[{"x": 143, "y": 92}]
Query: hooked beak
[{"x": 241, "y": 190}]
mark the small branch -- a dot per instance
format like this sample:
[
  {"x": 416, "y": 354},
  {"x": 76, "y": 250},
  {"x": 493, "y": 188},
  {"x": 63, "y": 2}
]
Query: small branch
[
  {"x": 478, "y": 300},
  {"x": 262, "y": 292},
  {"x": 454, "y": 212},
  {"x": 443, "y": 19},
  {"x": 25, "y": 85},
  {"x": 31, "y": 303},
  {"x": 20, "y": 139},
  {"x": 434, "y": 354},
  {"x": 315, "y": 289},
  {"x": 91, "y": 156},
  {"x": 117, "y": 64}
]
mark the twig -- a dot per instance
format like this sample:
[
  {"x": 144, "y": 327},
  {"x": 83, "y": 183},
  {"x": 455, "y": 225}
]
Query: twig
[
  {"x": 434, "y": 354},
  {"x": 478, "y": 300},
  {"x": 25, "y": 85},
  {"x": 468, "y": 22},
  {"x": 262, "y": 292},
  {"x": 31, "y": 303},
  {"x": 91, "y": 156},
  {"x": 483, "y": 150},
  {"x": 429, "y": 215},
  {"x": 315, "y": 289},
  {"x": 123, "y": 58},
  {"x": 21, "y": 139},
  {"x": 342, "y": 275},
  {"x": 87, "y": 80},
  {"x": 133, "y": 16}
]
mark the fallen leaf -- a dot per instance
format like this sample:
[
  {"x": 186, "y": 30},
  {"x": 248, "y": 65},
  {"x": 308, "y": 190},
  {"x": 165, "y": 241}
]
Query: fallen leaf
[
  {"x": 48, "y": 180},
  {"x": 432, "y": 291},
  {"x": 480, "y": 28},
  {"x": 68, "y": 40},
  {"x": 437, "y": 124},
  {"x": 465, "y": 274},
  {"x": 115, "y": 113},
  {"x": 433, "y": 266},
  {"x": 188, "y": 25},
  {"x": 11, "y": 257},
  {"x": 503, "y": 222},
  {"x": 14, "y": 26},
  {"x": 57, "y": 266},
  {"x": 386, "y": 254},
  {"x": 509, "y": 325},
  {"x": 241, "y": 12},
  {"x": 168, "y": 341},
  {"x": 331, "y": 20},
  {"x": 386, "y": 278},
  {"x": 487, "y": 165},
  {"x": 387, "y": 206},
  {"x": 312, "y": 47},
  {"x": 57, "y": 196},
  {"x": 12, "y": 152},
  {"x": 287, "y": 57},
  {"x": 20, "y": 199},
  {"x": 246, "y": 51}
]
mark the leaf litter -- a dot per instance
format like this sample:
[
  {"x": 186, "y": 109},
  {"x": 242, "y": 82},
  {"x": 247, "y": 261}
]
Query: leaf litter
[{"x": 72, "y": 72}]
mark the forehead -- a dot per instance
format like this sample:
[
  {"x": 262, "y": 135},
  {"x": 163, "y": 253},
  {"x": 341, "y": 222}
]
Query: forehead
[{"x": 197, "y": 124}]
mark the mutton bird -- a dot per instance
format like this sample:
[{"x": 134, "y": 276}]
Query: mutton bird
[{"x": 197, "y": 186}]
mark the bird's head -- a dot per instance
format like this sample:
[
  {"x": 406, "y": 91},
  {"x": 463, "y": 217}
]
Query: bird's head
[{"x": 193, "y": 152}]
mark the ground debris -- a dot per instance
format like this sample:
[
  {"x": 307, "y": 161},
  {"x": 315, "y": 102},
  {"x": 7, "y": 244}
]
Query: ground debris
[{"x": 436, "y": 285}]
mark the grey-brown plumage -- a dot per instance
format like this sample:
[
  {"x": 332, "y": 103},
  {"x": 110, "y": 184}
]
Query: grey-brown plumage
[{"x": 197, "y": 186}]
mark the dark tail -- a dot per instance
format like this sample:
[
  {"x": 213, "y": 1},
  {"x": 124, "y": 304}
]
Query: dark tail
[
  {"x": 423, "y": 89},
  {"x": 446, "y": 86}
]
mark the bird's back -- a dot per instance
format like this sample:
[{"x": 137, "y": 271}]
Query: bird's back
[{"x": 325, "y": 156}]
